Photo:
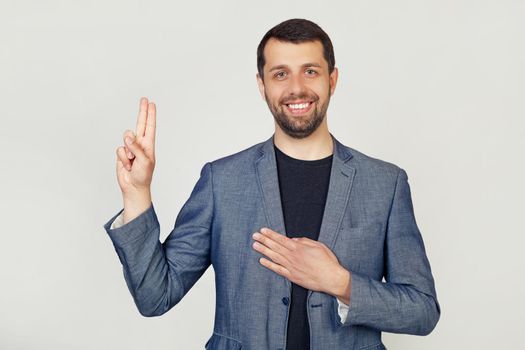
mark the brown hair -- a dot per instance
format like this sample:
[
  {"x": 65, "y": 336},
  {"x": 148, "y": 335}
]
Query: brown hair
[{"x": 297, "y": 30}]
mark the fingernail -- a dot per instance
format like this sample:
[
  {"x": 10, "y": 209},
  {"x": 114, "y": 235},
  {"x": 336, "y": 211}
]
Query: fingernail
[{"x": 129, "y": 140}]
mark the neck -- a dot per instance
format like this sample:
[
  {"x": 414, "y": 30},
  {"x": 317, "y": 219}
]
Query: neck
[{"x": 317, "y": 145}]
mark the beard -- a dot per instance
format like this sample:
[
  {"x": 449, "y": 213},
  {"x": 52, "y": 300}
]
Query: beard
[{"x": 301, "y": 126}]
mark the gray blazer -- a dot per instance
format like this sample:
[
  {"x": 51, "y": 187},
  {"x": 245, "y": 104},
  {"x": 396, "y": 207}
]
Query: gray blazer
[{"x": 368, "y": 223}]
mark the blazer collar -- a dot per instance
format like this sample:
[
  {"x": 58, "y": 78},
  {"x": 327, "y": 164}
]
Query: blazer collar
[{"x": 339, "y": 150}]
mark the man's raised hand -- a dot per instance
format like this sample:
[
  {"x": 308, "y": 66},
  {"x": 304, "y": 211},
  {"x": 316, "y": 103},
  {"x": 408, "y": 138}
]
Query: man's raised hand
[{"x": 136, "y": 159}]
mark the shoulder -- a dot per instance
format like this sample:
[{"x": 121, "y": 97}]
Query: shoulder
[
  {"x": 238, "y": 162},
  {"x": 374, "y": 169},
  {"x": 366, "y": 161}
]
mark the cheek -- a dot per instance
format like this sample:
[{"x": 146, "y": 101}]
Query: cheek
[
  {"x": 323, "y": 91},
  {"x": 277, "y": 97},
  {"x": 321, "y": 87},
  {"x": 275, "y": 92}
]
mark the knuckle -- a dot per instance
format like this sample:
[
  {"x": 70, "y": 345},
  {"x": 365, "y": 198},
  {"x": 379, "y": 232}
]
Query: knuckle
[
  {"x": 123, "y": 158},
  {"x": 127, "y": 133}
]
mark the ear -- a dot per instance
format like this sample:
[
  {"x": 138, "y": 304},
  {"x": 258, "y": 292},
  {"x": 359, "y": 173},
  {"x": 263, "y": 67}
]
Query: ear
[
  {"x": 333, "y": 80},
  {"x": 260, "y": 84}
]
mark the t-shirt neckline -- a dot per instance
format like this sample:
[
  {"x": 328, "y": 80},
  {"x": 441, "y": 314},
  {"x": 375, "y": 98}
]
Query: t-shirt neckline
[{"x": 315, "y": 162}]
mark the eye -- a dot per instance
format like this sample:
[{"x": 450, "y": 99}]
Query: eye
[
  {"x": 310, "y": 71},
  {"x": 280, "y": 75}
]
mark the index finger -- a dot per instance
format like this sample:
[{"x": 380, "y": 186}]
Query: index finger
[
  {"x": 279, "y": 238},
  {"x": 141, "y": 119}
]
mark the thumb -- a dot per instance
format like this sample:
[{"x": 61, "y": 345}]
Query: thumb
[{"x": 134, "y": 147}]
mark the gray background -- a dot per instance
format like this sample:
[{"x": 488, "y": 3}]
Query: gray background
[{"x": 436, "y": 87}]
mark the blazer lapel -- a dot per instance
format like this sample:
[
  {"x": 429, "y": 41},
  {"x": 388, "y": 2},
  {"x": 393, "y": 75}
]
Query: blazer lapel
[
  {"x": 341, "y": 179},
  {"x": 266, "y": 167}
]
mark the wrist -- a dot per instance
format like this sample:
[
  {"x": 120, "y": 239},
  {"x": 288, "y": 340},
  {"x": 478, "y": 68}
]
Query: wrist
[
  {"x": 136, "y": 196},
  {"x": 135, "y": 203},
  {"x": 343, "y": 285}
]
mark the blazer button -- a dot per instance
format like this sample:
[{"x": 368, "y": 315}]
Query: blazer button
[{"x": 286, "y": 300}]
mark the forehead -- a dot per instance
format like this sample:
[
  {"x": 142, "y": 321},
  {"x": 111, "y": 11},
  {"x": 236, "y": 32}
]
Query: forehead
[{"x": 286, "y": 53}]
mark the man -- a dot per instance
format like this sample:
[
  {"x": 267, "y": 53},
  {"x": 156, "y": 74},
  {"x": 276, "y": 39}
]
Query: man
[{"x": 300, "y": 229}]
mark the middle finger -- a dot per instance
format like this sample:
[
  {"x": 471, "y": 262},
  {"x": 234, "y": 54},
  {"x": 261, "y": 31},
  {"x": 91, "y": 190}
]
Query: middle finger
[
  {"x": 275, "y": 256},
  {"x": 270, "y": 243}
]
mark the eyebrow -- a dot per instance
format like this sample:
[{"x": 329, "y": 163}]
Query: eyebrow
[{"x": 281, "y": 66}]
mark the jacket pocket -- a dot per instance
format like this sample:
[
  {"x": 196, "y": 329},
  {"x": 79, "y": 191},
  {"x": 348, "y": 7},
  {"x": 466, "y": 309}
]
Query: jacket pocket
[
  {"x": 361, "y": 248},
  {"x": 362, "y": 231},
  {"x": 221, "y": 342},
  {"x": 379, "y": 346}
]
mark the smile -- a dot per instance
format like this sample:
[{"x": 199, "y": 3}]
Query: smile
[{"x": 299, "y": 108}]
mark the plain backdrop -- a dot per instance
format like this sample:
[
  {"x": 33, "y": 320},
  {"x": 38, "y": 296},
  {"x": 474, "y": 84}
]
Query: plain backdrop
[{"x": 436, "y": 87}]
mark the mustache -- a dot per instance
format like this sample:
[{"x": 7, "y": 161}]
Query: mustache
[{"x": 289, "y": 99}]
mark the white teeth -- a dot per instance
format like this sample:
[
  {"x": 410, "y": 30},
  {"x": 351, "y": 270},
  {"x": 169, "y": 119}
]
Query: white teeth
[{"x": 299, "y": 106}]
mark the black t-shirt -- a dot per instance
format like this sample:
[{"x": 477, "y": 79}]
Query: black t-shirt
[{"x": 303, "y": 185}]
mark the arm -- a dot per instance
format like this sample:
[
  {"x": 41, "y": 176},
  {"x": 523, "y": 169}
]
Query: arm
[
  {"x": 158, "y": 275},
  {"x": 406, "y": 302}
]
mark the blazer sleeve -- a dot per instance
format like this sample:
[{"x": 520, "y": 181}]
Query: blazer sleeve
[
  {"x": 158, "y": 275},
  {"x": 407, "y": 302}
]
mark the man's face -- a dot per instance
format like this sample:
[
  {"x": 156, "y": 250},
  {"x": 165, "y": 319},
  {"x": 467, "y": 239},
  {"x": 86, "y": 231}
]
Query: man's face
[{"x": 297, "y": 86}]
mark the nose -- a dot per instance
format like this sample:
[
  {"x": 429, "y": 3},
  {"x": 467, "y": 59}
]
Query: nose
[{"x": 296, "y": 86}]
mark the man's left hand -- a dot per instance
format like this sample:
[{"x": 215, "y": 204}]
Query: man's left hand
[{"x": 308, "y": 263}]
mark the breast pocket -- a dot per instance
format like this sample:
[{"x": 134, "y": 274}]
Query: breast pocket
[{"x": 360, "y": 248}]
